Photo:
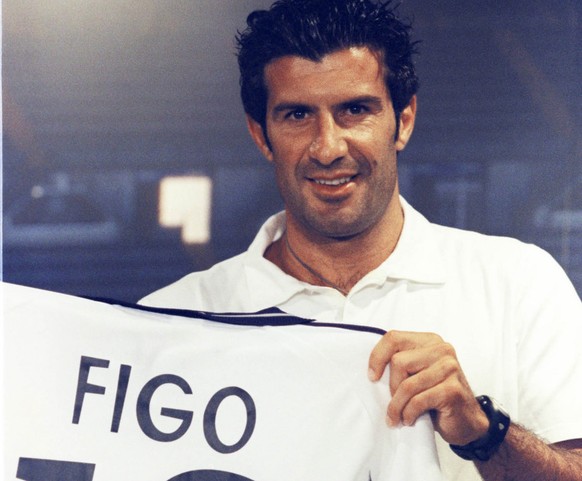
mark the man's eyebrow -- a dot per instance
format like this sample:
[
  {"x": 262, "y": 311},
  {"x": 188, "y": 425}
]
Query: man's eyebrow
[
  {"x": 363, "y": 99},
  {"x": 286, "y": 106}
]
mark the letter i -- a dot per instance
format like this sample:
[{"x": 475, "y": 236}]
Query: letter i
[{"x": 123, "y": 381}]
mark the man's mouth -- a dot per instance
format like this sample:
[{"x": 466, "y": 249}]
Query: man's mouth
[{"x": 333, "y": 182}]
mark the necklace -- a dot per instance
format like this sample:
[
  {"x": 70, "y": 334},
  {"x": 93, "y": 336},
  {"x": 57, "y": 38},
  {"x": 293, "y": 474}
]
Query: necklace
[{"x": 311, "y": 270}]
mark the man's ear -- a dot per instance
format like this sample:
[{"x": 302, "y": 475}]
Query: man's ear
[
  {"x": 407, "y": 118},
  {"x": 258, "y": 136}
]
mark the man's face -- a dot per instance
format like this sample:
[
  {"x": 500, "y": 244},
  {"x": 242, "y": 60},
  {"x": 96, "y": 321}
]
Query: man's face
[{"x": 331, "y": 127}]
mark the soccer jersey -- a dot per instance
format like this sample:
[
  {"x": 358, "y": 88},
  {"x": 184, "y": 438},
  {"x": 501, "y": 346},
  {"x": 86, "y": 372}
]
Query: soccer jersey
[{"x": 96, "y": 391}]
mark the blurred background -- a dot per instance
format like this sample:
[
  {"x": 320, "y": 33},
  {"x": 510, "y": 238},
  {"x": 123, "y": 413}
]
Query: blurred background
[{"x": 126, "y": 163}]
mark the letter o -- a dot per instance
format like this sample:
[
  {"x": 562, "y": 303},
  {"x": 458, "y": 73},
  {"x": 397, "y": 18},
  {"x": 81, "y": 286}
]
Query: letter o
[{"x": 210, "y": 419}]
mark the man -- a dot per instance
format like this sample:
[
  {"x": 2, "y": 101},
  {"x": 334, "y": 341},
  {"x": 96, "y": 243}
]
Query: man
[{"x": 329, "y": 90}]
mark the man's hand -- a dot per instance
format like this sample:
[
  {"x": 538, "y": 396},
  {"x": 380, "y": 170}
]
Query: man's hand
[{"x": 425, "y": 376}]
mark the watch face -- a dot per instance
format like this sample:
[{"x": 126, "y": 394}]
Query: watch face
[
  {"x": 498, "y": 407},
  {"x": 490, "y": 404}
]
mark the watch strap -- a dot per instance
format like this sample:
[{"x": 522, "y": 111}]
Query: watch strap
[{"x": 483, "y": 448}]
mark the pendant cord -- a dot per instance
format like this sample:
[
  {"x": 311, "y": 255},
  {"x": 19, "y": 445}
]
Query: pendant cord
[{"x": 311, "y": 270}]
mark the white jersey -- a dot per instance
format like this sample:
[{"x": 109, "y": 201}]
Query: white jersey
[{"x": 102, "y": 392}]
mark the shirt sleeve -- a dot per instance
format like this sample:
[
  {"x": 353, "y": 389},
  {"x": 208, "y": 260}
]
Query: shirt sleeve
[{"x": 549, "y": 314}]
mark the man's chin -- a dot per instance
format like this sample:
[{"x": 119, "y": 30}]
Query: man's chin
[{"x": 340, "y": 229}]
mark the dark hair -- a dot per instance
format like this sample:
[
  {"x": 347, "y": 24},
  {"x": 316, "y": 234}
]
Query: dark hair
[{"x": 315, "y": 28}]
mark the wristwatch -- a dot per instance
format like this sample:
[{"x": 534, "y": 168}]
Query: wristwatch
[{"x": 483, "y": 448}]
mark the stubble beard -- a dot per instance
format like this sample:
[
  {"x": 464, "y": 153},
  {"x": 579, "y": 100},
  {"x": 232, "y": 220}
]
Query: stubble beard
[{"x": 336, "y": 221}]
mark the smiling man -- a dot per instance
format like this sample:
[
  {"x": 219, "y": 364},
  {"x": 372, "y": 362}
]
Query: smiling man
[
  {"x": 334, "y": 152},
  {"x": 329, "y": 88}
]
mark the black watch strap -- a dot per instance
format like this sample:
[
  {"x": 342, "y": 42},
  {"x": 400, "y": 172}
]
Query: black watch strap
[{"x": 483, "y": 448}]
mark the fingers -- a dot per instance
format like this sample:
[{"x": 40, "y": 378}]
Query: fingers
[
  {"x": 419, "y": 381},
  {"x": 415, "y": 367},
  {"x": 394, "y": 342},
  {"x": 425, "y": 376}
]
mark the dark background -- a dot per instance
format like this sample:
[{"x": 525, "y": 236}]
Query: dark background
[{"x": 102, "y": 99}]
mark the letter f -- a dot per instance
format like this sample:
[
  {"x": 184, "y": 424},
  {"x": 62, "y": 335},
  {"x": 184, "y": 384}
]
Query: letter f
[{"x": 83, "y": 385}]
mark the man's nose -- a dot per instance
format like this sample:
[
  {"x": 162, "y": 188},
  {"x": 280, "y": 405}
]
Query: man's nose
[{"x": 329, "y": 143}]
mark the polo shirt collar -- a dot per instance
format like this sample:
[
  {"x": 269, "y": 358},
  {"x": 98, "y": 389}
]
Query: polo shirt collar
[
  {"x": 267, "y": 284},
  {"x": 416, "y": 258}
]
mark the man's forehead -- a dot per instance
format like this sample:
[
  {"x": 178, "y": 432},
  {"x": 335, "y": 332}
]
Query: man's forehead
[
  {"x": 356, "y": 68},
  {"x": 356, "y": 56}
]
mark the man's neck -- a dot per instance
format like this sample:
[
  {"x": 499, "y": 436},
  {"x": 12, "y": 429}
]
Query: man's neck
[{"x": 336, "y": 263}]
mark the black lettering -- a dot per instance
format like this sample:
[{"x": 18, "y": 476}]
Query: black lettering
[
  {"x": 210, "y": 419},
  {"x": 122, "y": 382},
  {"x": 31, "y": 469},
  {"x": 83, "y": 385},
  {"x": 209, "y": 475},
  {"x": 143, "y": 409}
]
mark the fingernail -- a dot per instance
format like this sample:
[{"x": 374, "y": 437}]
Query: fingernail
[
  {"x": 390, "y": 422},
  {"x": 371, "y": 375}
]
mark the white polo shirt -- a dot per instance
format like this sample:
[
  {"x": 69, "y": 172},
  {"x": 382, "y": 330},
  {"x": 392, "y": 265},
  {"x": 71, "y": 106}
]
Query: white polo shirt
[{"x": 507, "y": 307}]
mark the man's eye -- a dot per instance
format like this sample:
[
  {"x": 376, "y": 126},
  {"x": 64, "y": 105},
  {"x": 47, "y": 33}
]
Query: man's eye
[
  {"x": 356, "y": 109},
  {"x": 297, "y": 115}
]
